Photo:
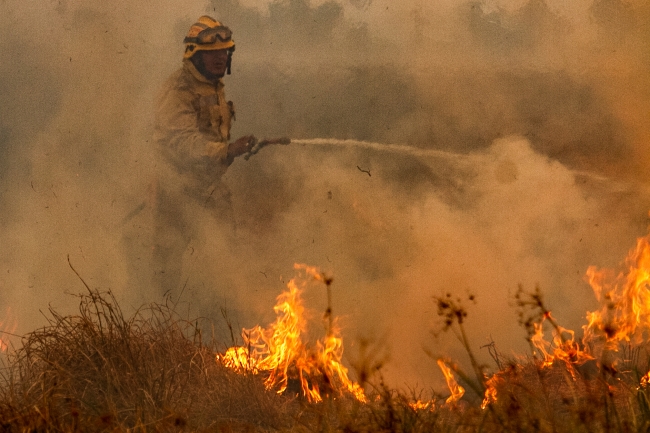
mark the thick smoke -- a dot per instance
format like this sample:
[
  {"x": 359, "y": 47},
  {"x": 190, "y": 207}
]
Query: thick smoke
[{"x": 524, "y": 134}]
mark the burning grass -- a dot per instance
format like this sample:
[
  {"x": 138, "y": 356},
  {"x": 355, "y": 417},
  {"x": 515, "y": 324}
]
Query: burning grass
[{"x": 99, "y": 370}]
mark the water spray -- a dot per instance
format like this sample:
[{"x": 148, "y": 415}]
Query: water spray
[
  {"x": 403, "y": 149},
  {"x": 394, "y": 148}
]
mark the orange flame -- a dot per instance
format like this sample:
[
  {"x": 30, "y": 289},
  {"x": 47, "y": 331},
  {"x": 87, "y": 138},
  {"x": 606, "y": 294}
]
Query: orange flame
[
  {"x": 238, "y": 359},
  {"x": 279, "y": 350},
  {"x": 490, "y": 395},
  {"x": 645, "y": 380},
  {"x": 456, "y": 390},
  {"x": 625, "y": 301},
  {"x": 623, "y": 316},
  {"x": 563, "y": 347},
  {"x": 542, "y": 346},
  {"x": 7, "y": 327},
  {"x": 423, "y": 405}
]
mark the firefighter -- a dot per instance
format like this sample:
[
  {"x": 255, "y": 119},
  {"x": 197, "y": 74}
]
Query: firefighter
[{"x": 192, "y": 135}]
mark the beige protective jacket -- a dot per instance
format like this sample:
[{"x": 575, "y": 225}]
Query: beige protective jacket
[{"x": 192, "y": 115}]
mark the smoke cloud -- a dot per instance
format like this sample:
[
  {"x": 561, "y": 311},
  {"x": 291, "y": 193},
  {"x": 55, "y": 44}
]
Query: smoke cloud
[{"x": 510, "y": 148}]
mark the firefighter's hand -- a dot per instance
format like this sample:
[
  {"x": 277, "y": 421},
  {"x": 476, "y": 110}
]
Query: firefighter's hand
[{"x": 241, "y": 146}]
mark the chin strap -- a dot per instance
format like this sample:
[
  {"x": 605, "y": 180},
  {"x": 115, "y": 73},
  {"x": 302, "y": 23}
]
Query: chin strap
[{"x": 229, "y": 61}]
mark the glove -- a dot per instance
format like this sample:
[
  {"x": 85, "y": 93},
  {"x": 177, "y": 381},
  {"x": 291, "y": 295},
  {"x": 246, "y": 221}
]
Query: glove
[{"x": 241, "y": 146}]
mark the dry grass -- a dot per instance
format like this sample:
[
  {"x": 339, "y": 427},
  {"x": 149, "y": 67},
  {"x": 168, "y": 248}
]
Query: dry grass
[{"x": 101, "y": 371}]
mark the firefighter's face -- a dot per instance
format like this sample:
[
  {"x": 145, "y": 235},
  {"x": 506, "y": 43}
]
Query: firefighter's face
[{"x": 215, "y": 61}]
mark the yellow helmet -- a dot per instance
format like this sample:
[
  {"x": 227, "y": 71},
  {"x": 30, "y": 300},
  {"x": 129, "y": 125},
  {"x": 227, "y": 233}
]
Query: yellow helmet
[{"x": 207, "y": 34}]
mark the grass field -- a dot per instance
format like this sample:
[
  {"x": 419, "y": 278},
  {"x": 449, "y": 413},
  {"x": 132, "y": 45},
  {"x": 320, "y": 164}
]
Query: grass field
[{"x": 99, "y": 370}]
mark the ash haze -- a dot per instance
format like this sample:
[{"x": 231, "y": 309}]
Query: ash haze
[{"x": 524, "y": 134}]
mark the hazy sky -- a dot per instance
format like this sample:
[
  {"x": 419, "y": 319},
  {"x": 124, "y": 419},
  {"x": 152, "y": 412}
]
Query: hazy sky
[{"x": 539, "y": 111}]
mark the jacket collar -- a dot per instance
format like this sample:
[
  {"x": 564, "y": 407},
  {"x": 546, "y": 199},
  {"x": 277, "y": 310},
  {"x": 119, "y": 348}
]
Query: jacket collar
[{"x": 189, "y": 67}]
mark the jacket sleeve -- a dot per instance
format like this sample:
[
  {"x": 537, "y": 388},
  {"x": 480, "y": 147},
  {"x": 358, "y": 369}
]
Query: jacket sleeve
[{"x": 177, "y": 131}]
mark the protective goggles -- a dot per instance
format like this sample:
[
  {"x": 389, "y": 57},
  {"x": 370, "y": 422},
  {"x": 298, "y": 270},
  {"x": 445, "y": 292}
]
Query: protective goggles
[{"x": 210, "y": 36}]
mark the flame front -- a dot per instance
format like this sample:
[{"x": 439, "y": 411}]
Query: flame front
[
  {"x": 456, "y": 390},
  {"x": 624, "y": 315},
  {"x": 280, "y": 352}
]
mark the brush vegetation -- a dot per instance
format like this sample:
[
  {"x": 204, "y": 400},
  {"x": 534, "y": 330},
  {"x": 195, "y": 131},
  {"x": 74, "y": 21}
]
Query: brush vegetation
[{"x": 100, "y": 371}]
